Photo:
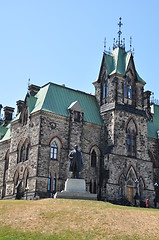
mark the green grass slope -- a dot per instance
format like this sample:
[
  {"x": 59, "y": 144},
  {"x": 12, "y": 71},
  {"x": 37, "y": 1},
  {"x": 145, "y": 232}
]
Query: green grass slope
[{"x": 61, "y": 219}]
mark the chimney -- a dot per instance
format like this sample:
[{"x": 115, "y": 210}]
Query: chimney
[
  {"x": 8, "y": 112},
  {"x": 33, "y": 89},
  {"x": 19, "y": 106},
  {"x": 147, "y": 95}
]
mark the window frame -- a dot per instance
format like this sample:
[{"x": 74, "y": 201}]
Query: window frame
[
  {"x": 53, "y": 150},
  {"x": 105, "y": 88},
  {"x": 93, "y": 158},
  {"x": 77, "y": 116},
  {"x": 131, "y": 142},
  {"x": 127, "y": 88}
]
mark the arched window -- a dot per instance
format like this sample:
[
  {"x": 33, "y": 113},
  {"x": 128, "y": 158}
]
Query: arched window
[
  {"x": 22, "y": 153},
  {"x": 131, "y": 142},
  {"x": 54, "y": 184},
  {"x": 105, "y": 87},
  {"x": 131, "y": 138},
  {"x": 53, "y": 150},
  {"x": 51, "y": 187},
  {"x": 27, "y": 152},
  {"x": 127, "y": 88},
  {"x": 49, "y": 183},
  {"x": 128, "y": 140},
  {"x": 121, "y": 186},
  {"x": 129, "y": 92},
  {"x": 93, "y": 158}
]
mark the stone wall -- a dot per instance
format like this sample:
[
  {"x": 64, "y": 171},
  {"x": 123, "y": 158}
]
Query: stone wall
[
  {"x": 66, "y": 134},
  {"x": 4, "y": 147}
]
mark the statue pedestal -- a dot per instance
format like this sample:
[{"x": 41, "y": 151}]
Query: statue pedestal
[{"x": 75, "y": 189}]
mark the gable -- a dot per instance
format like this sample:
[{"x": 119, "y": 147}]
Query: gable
[
  {"x": 75, "y": 106},
  {"x": 119, "y": 62}
]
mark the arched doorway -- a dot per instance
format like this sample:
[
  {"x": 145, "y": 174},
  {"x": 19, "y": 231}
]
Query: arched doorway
[{"x": 130, "y": 191}]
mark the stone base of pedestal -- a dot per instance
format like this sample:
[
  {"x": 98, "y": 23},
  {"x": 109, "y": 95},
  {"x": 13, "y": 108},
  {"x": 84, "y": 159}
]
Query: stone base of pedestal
[{"x": 75, "y": 189}]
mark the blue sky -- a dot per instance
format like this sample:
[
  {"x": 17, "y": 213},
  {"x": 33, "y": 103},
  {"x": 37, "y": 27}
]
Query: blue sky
[{"x": 62, "y": 42}]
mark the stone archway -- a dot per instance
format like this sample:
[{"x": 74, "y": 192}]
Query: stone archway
[{"x": 130, "y": 186}]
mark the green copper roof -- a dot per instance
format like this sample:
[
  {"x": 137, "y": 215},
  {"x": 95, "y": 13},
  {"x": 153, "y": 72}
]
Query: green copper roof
[
  {"x": 31, "y": 102},
  {"x": 153, "y": 126},
  {"x": 56, "y": 98},
  {"x": 7, "y": 134},
  {"x": 118, "y": 61},
  {"x": 3, "y": 129}
]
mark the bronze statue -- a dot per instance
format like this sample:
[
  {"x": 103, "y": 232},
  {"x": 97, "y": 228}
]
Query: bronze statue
[{"x": 76, "y": 163}]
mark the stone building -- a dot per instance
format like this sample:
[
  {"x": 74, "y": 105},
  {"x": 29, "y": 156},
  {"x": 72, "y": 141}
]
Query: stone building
[{"x": 116, "y": 130}]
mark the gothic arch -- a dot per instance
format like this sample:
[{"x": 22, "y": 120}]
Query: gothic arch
[
  {"x": 131, "y": 175},
  {"x": 121, "y": 183},
  {"x": 131, "y": 123},
  {"x": 121, "y": 176},
  {"x": 23, "y": 149},
  {"x": 94, "y": 153},
  {"x": 55, "y": 145}
]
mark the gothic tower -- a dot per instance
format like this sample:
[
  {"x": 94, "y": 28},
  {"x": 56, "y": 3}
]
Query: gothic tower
[{"x": 124, "y": 107}]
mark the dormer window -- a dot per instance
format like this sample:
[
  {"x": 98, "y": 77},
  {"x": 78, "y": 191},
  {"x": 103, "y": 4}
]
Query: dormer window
[
  {"x": 76, "y": 112},
  {"x": 105, "y": 87},
  {"x": 127, "y": 88}
]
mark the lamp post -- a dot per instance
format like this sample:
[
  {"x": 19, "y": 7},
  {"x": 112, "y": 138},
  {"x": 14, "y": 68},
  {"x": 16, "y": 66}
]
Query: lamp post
[
  {"x": 137, "y": 191},
  {"x": 26, "y": 192},
  {"x": 137, "y": 186},
  {"x": 156, "y": 194}
]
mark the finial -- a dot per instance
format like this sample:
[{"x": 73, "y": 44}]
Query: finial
[
  {"x": 119, "y": 32},
  {"x": 114, "y": 44},
  {"x": 28, "y": 86},
  {"x": 133, "y": 52},
  {"x": 105, "y": 44},
  {"x": 130, "y": 44}
]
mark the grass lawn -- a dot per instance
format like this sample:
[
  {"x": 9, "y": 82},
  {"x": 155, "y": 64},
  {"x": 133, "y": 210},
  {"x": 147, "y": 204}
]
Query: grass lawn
[{"x": 61, "y": 219}]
